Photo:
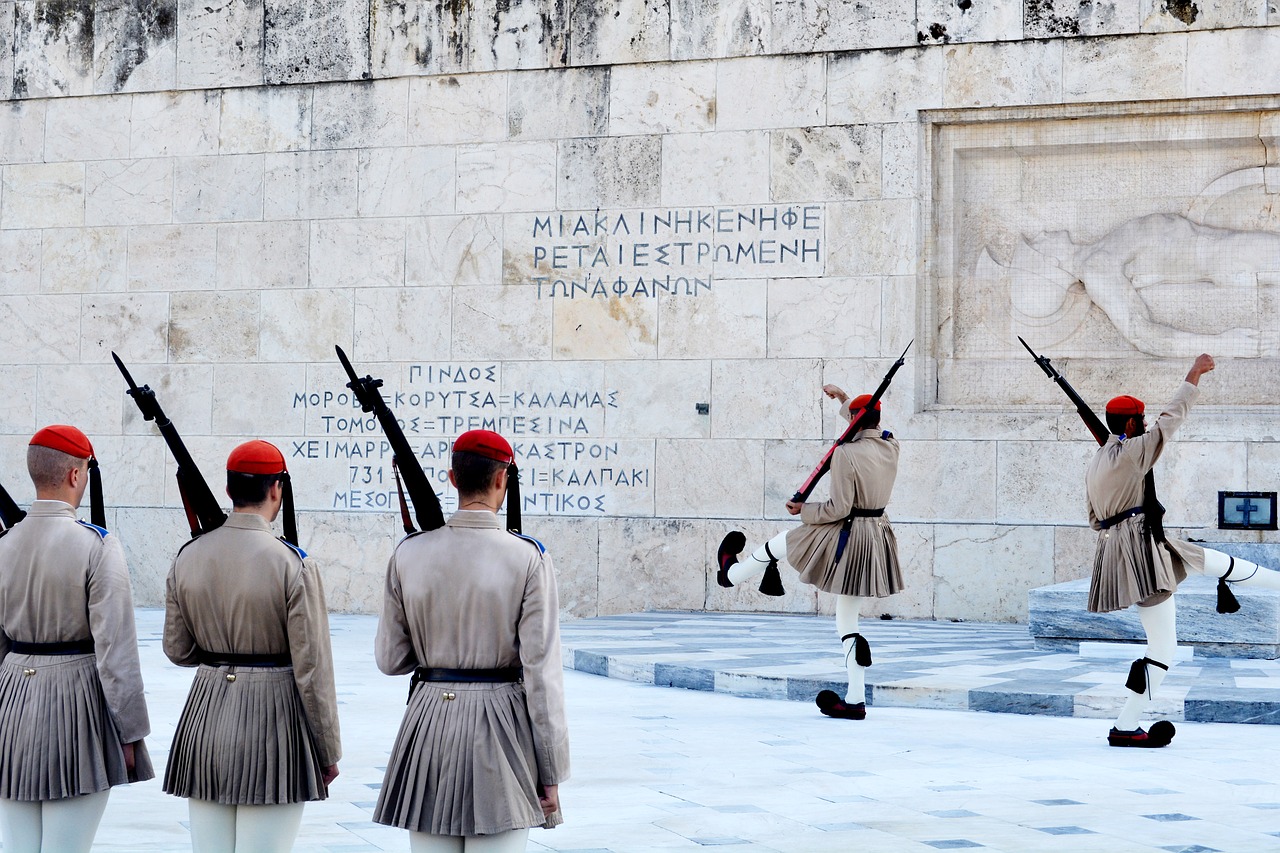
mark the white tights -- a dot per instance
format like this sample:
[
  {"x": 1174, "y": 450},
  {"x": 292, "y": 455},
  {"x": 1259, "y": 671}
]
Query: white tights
[
  {"x": 1159, "y": 622},
  {"x": 221, "y": 828},
  {"x": 51, "y": 826},
  {"x": 757, "y": 561},
  {"x": 848, "y": 608},
  {"x": 513, "y": 841}
]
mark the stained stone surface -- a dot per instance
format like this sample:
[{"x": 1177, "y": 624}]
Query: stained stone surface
[{"x": 638, "y": 236}]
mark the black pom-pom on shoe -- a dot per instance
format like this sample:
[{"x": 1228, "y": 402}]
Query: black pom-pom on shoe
[
  {"x": 1162, "y": 732},
  {"x": 830, "y": 703},
  {"x": 730, "y": 547}
]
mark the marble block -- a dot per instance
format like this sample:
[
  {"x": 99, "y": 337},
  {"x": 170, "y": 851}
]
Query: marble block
[
  {"x": 357, "y": 253},
  {"x": 662, "y": 98},
  {"x": 21, "y": 259},
  {"x": 654, "y": 564},
  {"x": 6, "y": 48},
  {"x": 304, "y": 325},
  {"x": 213, "y": 326},
  {"x": 1057, "y": 18},
  {"x": 360, "y": 115},
  {"x": 220, "y": 44},
  {"x": 715, "y": 168},
  {"x": 802, "y": 26},
  {"x": 983, "y": 572},
  {"x": 1166, "y": 16},
  {"x": 1058, "y": 618},
  {"x": 454, "y": 109},
  {"x": 448, "y": 251},
  {"x": 311, "y": 184},
  {"x": 506, "y": 177},
  {"x": 1122, "y": 68},
  {"x": 856, "y": 92},
  {"x": 135, "y": 45},
  {"x": 617, "y": 32},
  {"x": 132, "y": 323},
  {"x": 175, "y": 124},
  {"x": 609, "y": 172},
  {"x": 262, "y": 255},
  {"x": 558, "y": 103},
  {"x": 705, "y": 29},
  {"x": 43, "y": 195},
  {"x": 695, "y": 328},
  {"x": 40, "y": 329},
  {"x": 53, "y": 48},
  {"x": 305, "y": 41},
  {"x": 262, "y": 119},
  {"x": 173, "y": 257},
  {"x": 22, "y": 125},
  {"x": 657, "y": 399},
  {"x": 87, "y": 128},
  {"x": 128, "y": 192},
  {"x": 759, "y": 92},
  {"x": 225, "y": 188},
  {"x": 826, "y": 163},
  {"x": 949, "y": 21}
]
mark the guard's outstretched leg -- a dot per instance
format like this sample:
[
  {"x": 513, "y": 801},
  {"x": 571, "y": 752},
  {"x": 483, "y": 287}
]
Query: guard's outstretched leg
[
  {"x": 1145, "y": 676},
  {"x": 1229, "y": 570},
  {"x": 857, "y": 657},
  {"x": 761, "y": 561}
]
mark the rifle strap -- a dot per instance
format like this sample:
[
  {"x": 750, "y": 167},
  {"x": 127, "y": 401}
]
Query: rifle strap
[
  {"x": 1153, "y": 508},
  {"x": 404, "y": 505},
  {"x": 513, "y": 498},
  {"x": 192, "y": 520}
]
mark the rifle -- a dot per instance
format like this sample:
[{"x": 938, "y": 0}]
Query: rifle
[
  {"x": 10, "y": 512},
  {"x": 1153, "y": 510},
  {"x": 806, "y": 489},
  {"x": 203, "y": 512},
  {"x": 426, "y": 506}
]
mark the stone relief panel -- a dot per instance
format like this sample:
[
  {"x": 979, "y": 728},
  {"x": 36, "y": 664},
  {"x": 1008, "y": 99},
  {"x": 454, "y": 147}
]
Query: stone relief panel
[{"x": 1126, "y": 243}]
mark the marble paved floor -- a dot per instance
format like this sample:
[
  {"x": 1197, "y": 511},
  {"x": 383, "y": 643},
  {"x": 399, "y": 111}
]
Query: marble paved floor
[
  {"x": 958, "y": 665},
  {"x": 670, "y": 769}
]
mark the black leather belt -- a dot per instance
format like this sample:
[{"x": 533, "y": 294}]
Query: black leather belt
[
  {"x": 483, "y": 676},
  {"x": 66, "y": 647},
  {"x": 865, "y": 513},
  {"x": 501, "y": 675},
  {"x": 1120, "y": 516},
  {"x": 233, "y": 659}
]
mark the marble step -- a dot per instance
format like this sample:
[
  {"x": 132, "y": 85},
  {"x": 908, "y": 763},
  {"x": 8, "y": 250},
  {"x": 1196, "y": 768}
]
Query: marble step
[{"x": 1058, "y": 618}]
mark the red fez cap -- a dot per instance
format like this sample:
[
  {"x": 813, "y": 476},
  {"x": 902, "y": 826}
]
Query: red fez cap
[
  {"x": 1125, "y": 405},
  {"x": 256, "y": 457},
  {"x": 485, "y": 443},
  {"x": 860, "y": 402},
  {"x": 68, "y": 439}
]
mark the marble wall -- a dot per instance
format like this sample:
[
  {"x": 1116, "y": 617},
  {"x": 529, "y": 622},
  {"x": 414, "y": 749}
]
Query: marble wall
[{"x": 637, "y": 237}]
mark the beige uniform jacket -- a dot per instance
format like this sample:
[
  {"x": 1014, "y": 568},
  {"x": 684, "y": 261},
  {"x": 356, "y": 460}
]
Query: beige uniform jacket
[
  {"x": 240, "y": 590},
  {"x": 862, "y": 475},
  {"x": 473, "y": 596},
  {"x": 63, "y": 580},
  {"x": 1130, "y": 566}
]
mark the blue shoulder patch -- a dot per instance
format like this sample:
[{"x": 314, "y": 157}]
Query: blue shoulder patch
[
  {"x": 101, "y": 531},
  {"x": 886, "y": 434},
  {"x": 294, "y": 548},
  {"x": 541, "y": 549}
]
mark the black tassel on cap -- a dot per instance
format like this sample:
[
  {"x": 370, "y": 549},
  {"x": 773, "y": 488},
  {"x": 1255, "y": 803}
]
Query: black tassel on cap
[
  {"x": 290, "y": 516},
  {"x": 513, "y": 498},
  {"x": 97, "y": 512}
]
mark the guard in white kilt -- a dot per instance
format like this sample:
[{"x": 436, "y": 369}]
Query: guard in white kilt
[
  {"x": 472, "y": 611},
  {"x": 72, "y": 713},
  {"x": 845, "y": 545},
  {"x": 258, "y": 736},
  {"x": 1134, "y": 562}
]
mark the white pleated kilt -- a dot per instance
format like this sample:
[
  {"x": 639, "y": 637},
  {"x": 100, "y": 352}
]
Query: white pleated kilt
[
  {"x": 57, "y": 738},
  {"x": 868, "y": 567},
  {"x": 1129, "y": 567},
  {"x": 463, "y": 766},
  {"x": 244, "y": 742}
]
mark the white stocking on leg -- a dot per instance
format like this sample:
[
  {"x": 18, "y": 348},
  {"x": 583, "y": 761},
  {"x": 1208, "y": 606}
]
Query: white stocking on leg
[
  {"x": 755, "y": 564},
  {"x": 1241, "y": 572},
  {"x": 848, "y": 608},
  {"x": 1160, "y": 623}
]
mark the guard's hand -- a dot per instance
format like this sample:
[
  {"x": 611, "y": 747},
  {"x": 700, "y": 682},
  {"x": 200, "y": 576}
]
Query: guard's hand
[
  {"x": 793, "y": 507},
  {"x": 834, "y": 392},
  {"x": 549, "y": 799},
  {"x": 1204, "y": 364},
  {"x": 328, "y": 774}
]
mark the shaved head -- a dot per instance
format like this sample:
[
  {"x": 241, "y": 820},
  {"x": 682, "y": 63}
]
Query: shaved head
[{"x": 48, "y": 467}]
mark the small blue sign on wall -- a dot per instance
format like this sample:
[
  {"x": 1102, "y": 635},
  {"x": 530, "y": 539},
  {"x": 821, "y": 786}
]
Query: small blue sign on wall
[{"x": 1246, "y": 510}]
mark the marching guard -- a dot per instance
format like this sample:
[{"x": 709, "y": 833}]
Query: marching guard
[
  {"x": 258, "y": 737},
  {"x": 845, "y": 545},
  {"x": 1135, "y": 563},
  {"x": 72, "y": 712}
]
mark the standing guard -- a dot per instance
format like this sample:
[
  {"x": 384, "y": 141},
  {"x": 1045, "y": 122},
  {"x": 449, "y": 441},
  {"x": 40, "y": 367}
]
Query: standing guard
[
  {"x": 1135, "y": 563},
  {"x": 258, "y": 736},
  {"x": 72, "y": 712},
  {"x": 472, "y": 611},
  {"x": 845, "y": 545}
]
